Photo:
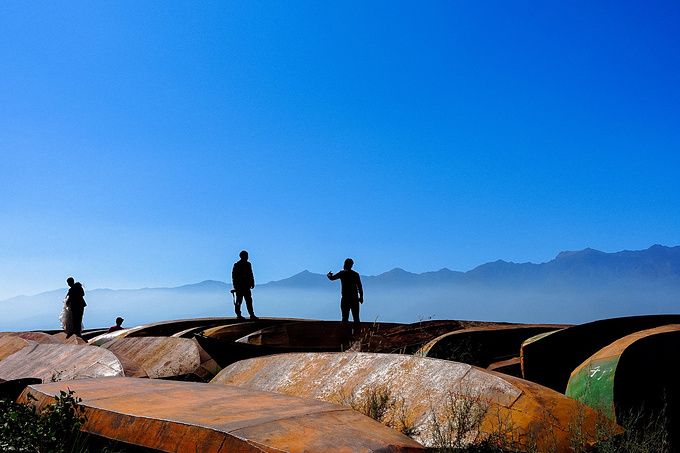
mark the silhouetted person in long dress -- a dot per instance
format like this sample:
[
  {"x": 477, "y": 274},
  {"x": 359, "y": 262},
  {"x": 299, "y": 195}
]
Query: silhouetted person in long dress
[
  {"x": 243, "y": 280},
  {"x": 352, "y": 291},
  {"x": 75, "y": 299}
]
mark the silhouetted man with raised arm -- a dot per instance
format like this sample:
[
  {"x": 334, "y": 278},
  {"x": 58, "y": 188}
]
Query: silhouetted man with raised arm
[
  {"x": 352, "y": 291},
  {"x": 243, "y": 280}
]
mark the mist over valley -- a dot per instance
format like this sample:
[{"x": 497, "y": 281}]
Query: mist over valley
[{"x": 574, "y": 287}]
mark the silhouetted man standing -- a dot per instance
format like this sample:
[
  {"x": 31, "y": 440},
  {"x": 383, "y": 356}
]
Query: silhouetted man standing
[
  {"x": 243, "y": 281},
  {"x": 76, "y": 300},
  {"x": 352, "y": 291}
]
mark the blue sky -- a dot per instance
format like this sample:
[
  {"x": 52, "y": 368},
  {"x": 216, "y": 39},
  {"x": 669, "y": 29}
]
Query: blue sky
[{"x": 147, "y": 143}]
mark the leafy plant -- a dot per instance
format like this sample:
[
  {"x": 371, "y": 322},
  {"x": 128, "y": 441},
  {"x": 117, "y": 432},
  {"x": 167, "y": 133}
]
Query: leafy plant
[{"x": 55, "y": 429}]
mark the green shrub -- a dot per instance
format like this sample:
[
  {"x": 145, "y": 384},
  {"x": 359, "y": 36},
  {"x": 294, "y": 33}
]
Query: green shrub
[{"x": 55, "y": 429}]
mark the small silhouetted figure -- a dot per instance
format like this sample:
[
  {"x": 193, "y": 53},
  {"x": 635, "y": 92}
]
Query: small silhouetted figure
[
  {"x": 352, "y": 291},
  {"x": 75, "y": 300},
  {"x": 243, "y": 281},
  {"x": 118, "y": 326}
]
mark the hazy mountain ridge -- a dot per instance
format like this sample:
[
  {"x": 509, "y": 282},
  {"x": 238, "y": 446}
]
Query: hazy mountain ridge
[
  {"x": 573, "y": 287},
  {"x": 658, "y": 263}
]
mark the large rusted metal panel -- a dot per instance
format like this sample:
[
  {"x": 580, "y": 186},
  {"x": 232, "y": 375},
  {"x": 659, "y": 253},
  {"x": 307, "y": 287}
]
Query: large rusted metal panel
[
  {"x": 482, "y": 346},
  {"x": 9, "y": 344},
  {"x": 60, "y": 362},
  {"x": 636, "y": 374},
  {"x": 550, "y": 359},
  {"x": 160, "y": 357},
  {"x": 426, "y": 387},
  {"x": 176, "y": 416}
]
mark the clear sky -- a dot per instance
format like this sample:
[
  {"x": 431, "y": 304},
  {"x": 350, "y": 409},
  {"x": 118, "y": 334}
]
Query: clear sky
[{"x": 147, "y": 143}]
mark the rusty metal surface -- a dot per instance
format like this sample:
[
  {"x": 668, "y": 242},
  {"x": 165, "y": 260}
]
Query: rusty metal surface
[
  {"x": 635, "y": 373},
  {"x": 482, "y": 346},
  {"x": 299, "y": 336},
  {"x": 511, "y": 366},
  {"x": 185, "y": 416},
  {"x": 209, "y": 367},
  {"x": 313, "y": 335},
  {"x": 235, "y": 330},
  {"x": 9, "y": 344},
  {"x": 100, "y": 339},
  {"x": 425, "y": 386},
  {"x": 171, "y": 327},
  {"x": 226, "y": 352},
  {"x": 408, "y": 338},
  {"x": 73, "y": 339},
  {"x": 551, "y": 359},
  {"x": 91, "y": 333},
  {"x": 38, "y": 337},
  {"x": 60, "y": 362},
  {"x": 160, "y": 357}
]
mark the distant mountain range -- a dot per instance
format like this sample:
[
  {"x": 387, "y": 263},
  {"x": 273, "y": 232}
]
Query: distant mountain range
[{"x": 574, "y": 287}]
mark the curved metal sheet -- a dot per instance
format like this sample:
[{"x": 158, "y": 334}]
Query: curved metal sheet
[
  {"x": 313, "y": 335},
  {"x": 408, "y": 338},
  {"x": 482, "y": 346},
  {"x": 176, "y": 416},
  {"x": 235, "y": 330},
  {"x": 550, "y": 360},
  {"x": 9, "y": 344},
  {"x": 426, "y": 386},
  {"x": 299, "y": 336},
  {"x": 171, "y": 327},
  {"x": 73, "y": 339},
  {"x": 104, "y": 337},
  {"x": 510, "y": 366},
  {"x": 640, "y": 369},
  {"x": 160, "y": 357},
  {"x": 60, "y": 362},
  {"x": 226, "y": 352},
  {"x": 38, "y": 337}
]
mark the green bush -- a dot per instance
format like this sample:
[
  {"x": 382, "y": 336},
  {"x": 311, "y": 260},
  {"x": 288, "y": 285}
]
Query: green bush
[{"x": 55, "y": 429}]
